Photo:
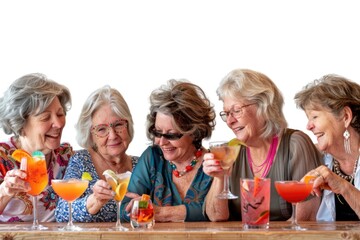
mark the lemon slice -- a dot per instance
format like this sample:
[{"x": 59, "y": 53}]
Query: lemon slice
[
  {"x": 120, "y": 191},
  {"x": 235, "y": 142},
  {"x": 86, "y": 176},
  {"x": 111, "y": 178}
]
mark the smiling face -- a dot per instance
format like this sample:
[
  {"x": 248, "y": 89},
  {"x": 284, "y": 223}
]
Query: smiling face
[
  {"x": 247, "y": 126},
  {"x": 173, "y": 150},
  {"x": 115, "y": 143},
  {"x": 327, "y": 128},
  {"x": 43, "y": 131}
]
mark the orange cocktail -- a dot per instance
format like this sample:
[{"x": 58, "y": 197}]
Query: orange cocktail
[
  {"x": 70, "y": 189},
  {"x": 37, "y": 176},
  {"x": 142, "y": 213},
  {"x": 226, "y": 152}
]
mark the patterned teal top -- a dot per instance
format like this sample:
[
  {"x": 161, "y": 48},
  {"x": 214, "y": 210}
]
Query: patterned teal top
[{"x": 153, "y": 176}]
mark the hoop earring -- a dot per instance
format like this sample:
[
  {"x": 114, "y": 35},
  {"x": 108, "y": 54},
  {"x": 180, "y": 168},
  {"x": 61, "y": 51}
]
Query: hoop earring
[{"x": 347, "y": 141}]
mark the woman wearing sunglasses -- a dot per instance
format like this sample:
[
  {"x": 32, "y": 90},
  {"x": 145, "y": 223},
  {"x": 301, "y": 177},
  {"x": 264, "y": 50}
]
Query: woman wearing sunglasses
[{"x": 170, "y": 170}]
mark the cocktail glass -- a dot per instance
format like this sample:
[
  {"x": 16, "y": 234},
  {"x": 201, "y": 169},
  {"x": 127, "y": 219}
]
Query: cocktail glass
[
  {"x": 70, "y": 190},
  {"x": 142, "y": 214},
  {"x": 226, "y": 155},
  {"x": 255, "y": 202},
  {"x": 120, "y": 191},
  {"x": 37, "y": 177},
  {"x": 294, "y": 192}
]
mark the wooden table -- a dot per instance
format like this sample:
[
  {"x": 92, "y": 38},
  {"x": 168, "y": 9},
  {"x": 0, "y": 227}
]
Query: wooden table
[{"x": 189, "y": 230}]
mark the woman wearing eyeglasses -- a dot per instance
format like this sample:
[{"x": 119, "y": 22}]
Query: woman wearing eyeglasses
[
  {"x": 170, "y": 170},
  {"x": 253, "y": 111},
  {"x": 104, "y": 130}
]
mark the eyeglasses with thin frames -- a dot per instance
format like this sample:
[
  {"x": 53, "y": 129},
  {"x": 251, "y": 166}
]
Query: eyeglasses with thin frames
[
  {"x": 235, "y": 113},
  {"x": 168, "y": 136},
  {"x": 102, "y": 130}
]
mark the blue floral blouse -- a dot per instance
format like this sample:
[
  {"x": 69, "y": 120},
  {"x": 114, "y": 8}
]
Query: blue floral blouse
[
  {"x": 153, "y": 176},
  {"x": 81, "y": 162}
]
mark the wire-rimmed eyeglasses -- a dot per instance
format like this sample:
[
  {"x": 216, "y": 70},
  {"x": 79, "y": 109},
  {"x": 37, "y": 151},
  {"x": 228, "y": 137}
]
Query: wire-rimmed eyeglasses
[
  {"x": 102, "y": 130},
  {"x": 237, "y": 112}
]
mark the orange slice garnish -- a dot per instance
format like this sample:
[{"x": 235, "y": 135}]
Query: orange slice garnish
[
  {"x": 18, "y": 154},
  {"x": 308, "y": 178},
  {"x": 145, "y": 197},
  {"x": 120, "y": 191}
]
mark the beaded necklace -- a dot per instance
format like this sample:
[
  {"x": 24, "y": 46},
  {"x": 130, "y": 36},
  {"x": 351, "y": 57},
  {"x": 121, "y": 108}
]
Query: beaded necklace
[
  {"x": 349, "y": 178},
  {"x": 189, "y": 167},
  {"x": 338, "y": 172},
  {"x": 267, "y": 163}
]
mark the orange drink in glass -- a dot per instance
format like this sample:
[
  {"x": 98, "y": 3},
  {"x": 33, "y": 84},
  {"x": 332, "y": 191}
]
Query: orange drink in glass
[
  {"x": 142, "y": 213},
  {"x": 226, "y": 153},
  {"x": 255, "y": 202},
  {"x": 294, "y": 192},
  {"x": 36, "y": 175},
  {"x": 70, "y": 190}
]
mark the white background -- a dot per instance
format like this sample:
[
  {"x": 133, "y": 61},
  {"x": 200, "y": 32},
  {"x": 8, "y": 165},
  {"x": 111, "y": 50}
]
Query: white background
[{"x": 135, "y": 46}]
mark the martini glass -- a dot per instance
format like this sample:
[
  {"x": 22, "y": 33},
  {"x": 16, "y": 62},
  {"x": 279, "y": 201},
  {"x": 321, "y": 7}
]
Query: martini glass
[
  {"x": 294, "y": 192},
  {"x": 226, "y": 154},
  {"x": 119, "y": 184},
  {"x": 70, "y": 190}
]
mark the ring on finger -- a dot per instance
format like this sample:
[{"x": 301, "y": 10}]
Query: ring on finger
[{"x": 319, "y": 175}]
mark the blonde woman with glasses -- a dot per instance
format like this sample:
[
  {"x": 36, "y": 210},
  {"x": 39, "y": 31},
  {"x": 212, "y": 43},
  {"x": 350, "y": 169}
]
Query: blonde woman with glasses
[{"x": 253, "y": 111}]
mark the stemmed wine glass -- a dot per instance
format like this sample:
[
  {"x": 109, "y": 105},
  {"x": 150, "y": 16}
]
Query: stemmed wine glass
[
  {"x": 70, "y": 190},
  {"x": 226, "y": 153},
  {"x": 294, "y": 192},
  {"x": 37, "y": 177}
]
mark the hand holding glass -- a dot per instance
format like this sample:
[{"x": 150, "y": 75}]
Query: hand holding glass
[{"x": 226, "y": 154}]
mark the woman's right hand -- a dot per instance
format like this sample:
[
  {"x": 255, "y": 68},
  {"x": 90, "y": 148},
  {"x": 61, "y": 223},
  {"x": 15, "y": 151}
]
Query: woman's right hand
[
  {"x": 212, "y": 166},
  {"x": 102, "y": 191},
  {"x": 14, "y": 182}
]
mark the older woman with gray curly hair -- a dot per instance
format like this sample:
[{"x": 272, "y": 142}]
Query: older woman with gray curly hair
[
  {"x": 252, "y": 106},
  {"x": 170, "y": 170},
  {"x": 105, "y": 130},
  {"x": 332, "y": 106},
  {"x": 33, "y": 110}
]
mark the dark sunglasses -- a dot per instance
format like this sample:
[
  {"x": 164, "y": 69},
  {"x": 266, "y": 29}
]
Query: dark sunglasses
[{"x": 168, "y": 136}]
